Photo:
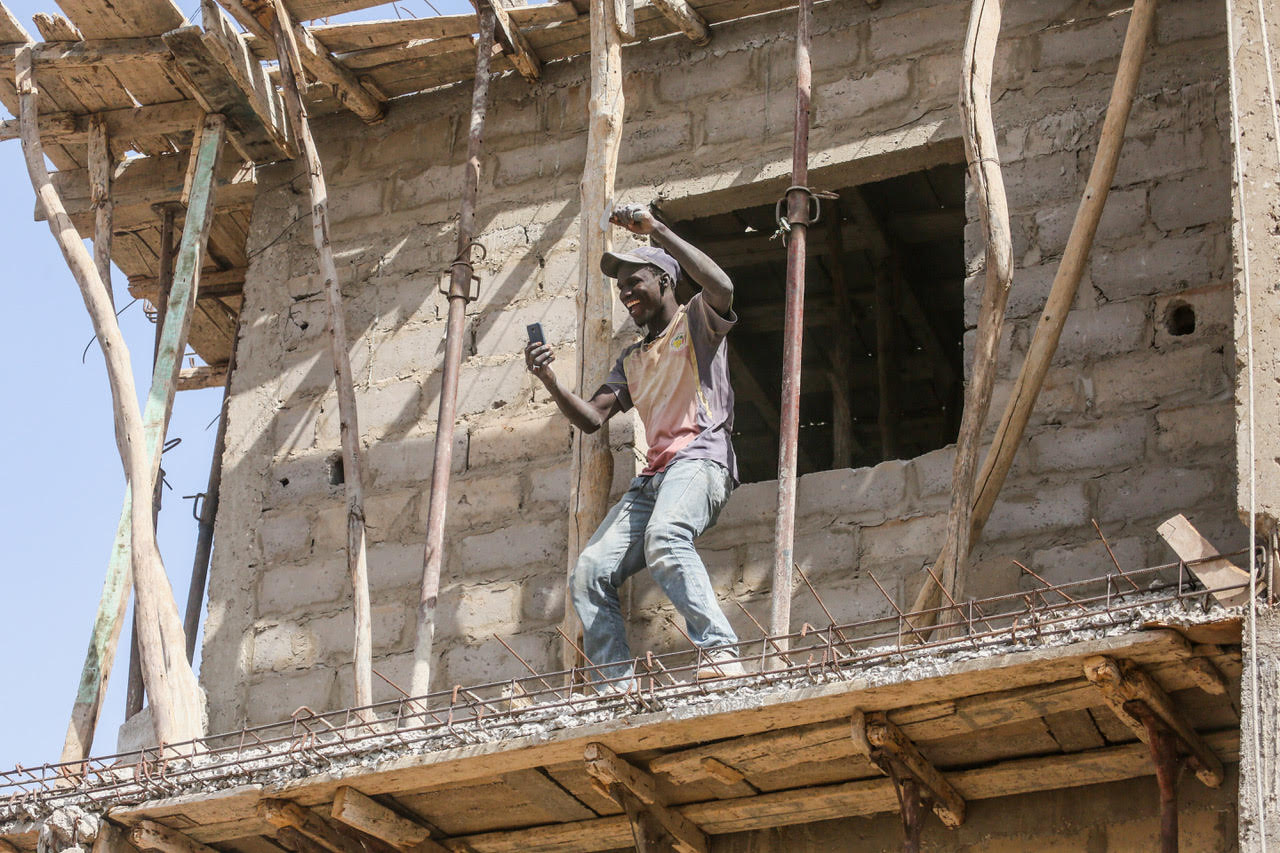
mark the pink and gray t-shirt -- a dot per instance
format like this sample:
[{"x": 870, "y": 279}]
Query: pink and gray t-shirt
[{"x": 679, "y": 383}]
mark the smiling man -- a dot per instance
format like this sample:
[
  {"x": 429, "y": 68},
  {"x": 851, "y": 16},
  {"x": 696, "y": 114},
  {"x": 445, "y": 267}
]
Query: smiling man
[{"x": 677, "y": 378}]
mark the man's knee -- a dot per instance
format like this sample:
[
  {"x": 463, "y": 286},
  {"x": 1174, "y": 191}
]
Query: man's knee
[
  {"x": 662, "y": 537},
  {"x": 590, "y": 577}
]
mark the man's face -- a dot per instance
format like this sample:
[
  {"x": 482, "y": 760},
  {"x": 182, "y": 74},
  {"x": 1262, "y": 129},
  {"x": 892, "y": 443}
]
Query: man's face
[{"x": 640, "y": 291}]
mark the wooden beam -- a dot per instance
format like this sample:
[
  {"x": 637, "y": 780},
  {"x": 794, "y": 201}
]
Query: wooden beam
[
  {"x": 142, "y": 182},
  {"x": 513, "y": 42},
  {"x": 606, "y": 766},
  {"x": 344, "y": 386},
  {"x": 372, "y": 818},
  {"x": 227, "y": 44},
  {"x": 256, "y": 128},
  {"x": 361, "y": 96},
  {"x": 1124, "y": 681},
  {"x": 82, "y": 54},
  {"x": 100, "y": 200},
  {"x": 122, "y": 125},
  {"x": 883, "y": 741},
  {"x": 204, "y": 376},
  {"x": 282, "y": 813},
  {"x": 591, "y": 468},
  {"x": 213, "y": 285},
  {"x": 151, "y": 836},
  {"x": 54, "y": 27},
  {"x": 686, "y": 19},
  {"x": 1190, "y": 546},
  {"x": 842, "y": 438}
]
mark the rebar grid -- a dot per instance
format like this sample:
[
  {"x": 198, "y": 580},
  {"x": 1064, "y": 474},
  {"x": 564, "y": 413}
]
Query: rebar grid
[{"x": 310, "y": 742}]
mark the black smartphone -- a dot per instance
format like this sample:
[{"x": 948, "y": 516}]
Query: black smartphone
[{"x": 535, "y": 334}]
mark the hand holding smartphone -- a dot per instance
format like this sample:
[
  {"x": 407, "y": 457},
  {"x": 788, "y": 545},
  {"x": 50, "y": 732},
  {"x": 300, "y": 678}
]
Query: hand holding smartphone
[{"x": 537, "y": 355}]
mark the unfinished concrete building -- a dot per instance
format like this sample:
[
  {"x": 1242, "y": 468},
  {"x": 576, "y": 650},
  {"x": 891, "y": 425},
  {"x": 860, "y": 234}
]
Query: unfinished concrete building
[{"x": 1008, "y": 527}]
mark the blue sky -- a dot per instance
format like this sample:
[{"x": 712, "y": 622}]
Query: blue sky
[{"x": 63, "y": 478}]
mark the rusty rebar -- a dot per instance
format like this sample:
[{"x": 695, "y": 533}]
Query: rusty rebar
[
  {"x": 1112, "y": 554},
  {"x": 764, "y": 634},
  {"x": 896, "y": 609},
  {"x": 526, "y": 665},
  {"x": 1047, "y": 585},
  {"x": 818, "y": 598}
]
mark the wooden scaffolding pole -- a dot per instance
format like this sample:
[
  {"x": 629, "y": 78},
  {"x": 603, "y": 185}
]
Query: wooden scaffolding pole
[
  {"x": 592, "y": 466},
  {"x": 983, "y": 155},
  {"x": 348, "y": 425},
  {"x": 100, "y": 198},
  {"x": 455, "y": 330},
  {"x": 1044, "y": 343},
  {"x": 176, "y": 702}
]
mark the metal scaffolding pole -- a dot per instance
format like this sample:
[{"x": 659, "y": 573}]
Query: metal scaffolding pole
[
  {"x": 459, "y": 294},
  {"x": 796, "y": 224}
]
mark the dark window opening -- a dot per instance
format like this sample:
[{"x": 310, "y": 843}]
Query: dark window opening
[
  {"x": 882, "y": 374},
  {"x": 337, "y": 474}
]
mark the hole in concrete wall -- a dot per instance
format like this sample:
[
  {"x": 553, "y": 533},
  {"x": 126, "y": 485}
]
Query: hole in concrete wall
[
  {"x": 337, "y": 476},
  {"x": 1180, "y": 319},
  {"x": 886, "y": 256}
]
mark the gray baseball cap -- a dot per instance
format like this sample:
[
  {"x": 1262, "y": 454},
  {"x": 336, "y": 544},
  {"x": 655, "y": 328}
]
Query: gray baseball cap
[{"x": 644, "y": 255}]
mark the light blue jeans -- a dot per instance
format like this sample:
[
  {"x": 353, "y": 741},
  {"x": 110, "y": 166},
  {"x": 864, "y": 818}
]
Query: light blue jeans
[{"x": 654, "y": 524}]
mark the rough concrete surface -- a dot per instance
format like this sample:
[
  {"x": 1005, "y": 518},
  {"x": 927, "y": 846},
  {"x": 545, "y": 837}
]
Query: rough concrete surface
[{"x": 1132, "y": 426}]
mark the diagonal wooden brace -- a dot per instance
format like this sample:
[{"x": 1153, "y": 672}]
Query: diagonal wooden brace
[
  {"x": 372, "y": 818},
  {"x": 513, "y": 42},
  {"x": 283, "y": 813},
  {"x": 1121, "y": 682},
  {"x": 885, "y": 745},
  {"x": 637, "y": 791}
]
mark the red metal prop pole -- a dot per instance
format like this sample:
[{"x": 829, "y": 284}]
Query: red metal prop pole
[
  {"x": 797, "y": 215},
  {"x": 459, "y": 294}
]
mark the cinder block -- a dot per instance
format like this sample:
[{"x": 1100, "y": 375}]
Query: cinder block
[
  {"x": 1174, "y": 263},
  {"x": 549, "y": 486},
  {"x": 413, "y": 187},
  {"x": 414, "y": 349},
  {"x": 1111, "y": 328},
  {"x": 1188, "y": 19},
  {"x": 827, "y": 554},
  {"x": 520, "y": 439},
  {"x": 487, "y": 661},
  {"x": 545, "y": 159},
  {"x": 1168, "y": 151},
  {"x": 1210, "y": 309},
  {"x": 394, "y": 565},
  {"x": 1134, "y": 494},
  {"x": 283, "y": 645},
  {"x": 929, "y": 29},
  {"x": 1192, "y": 200},
  {"x": 284, "y": 589},
  {"x": 909, "y": 541},
  {"x": 477, "y": 502},
  {"x": 1067, "y": 563},
  {"x": 934, "y": 471},
  {"x": 1106, "y": 443},
  {"x": 542, "y": 598},
  {"x": 1149, "y": 376},
  {"x": 274, "y": 698},
  {"x": 853, "y": 492},
  {"x": 482, "y": 387},
  {"x": 334, "y": 634},
  {"x": 850, "y": 97},
  {"x": 1088, "y": 42},
  {"x": 1019, "y": 513},
  {"x": 409, "y": 460},
  {"x": 285, "y": 536},
  {"x": 1179, "y": 431},
  {"x": 1122, "y": 222},
  {"x": 391, "y": 409},
  {"x": 689, "y": 82},
  {"x": 651, "y": 138},
  {"x": 523, "y": 548}
]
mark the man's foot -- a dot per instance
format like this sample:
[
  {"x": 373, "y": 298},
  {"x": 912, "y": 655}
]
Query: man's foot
[{"x": 720, "y": 663}]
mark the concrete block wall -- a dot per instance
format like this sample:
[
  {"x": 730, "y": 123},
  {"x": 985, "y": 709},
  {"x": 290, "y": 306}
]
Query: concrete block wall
[{"x": 1134, "y": 423}]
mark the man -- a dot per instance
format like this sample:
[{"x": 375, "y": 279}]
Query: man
[{"x": 678, "y": 380}]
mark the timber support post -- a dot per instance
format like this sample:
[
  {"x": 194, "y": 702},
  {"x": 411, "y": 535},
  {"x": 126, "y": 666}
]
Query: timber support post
[
  {"x": 654, "y": 824},
  {"x": 348, "y": 422},
  {"x": 591, "y": 471},
  {"x": 461, "y": 275},
  {"x": 176, "y": 697},
  {"x": 795, "y": 223},
  {"x": 918, "y": 784}
]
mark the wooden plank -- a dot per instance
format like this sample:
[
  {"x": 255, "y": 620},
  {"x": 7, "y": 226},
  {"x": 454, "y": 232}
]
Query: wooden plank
[
  {"x": 55, "y": 27},
  {"x": 123, "y": 125},
  {"x": 685, "y": 18},
  {"x": 282, "y": 813},
  {"x": 114, "y": 19},
  {"x": 255, "y": 130},
  {"x": 1190, "y": 546},
  {"x": 719, "y": 719},
  {"x": 151, "y": 836},
  {"x": 229, "y": 47},
  {"x": 204, "y": 376},
  {"x": 146, "y": 181},
  {"x": 90, "y": 52},
  {"x": 408, "y": 56},
  {"x": 848, "y": 799},
  {"x": 1074, "y": 730},
  {"x": 540, "y": 790},
  {"x": 1124, "y": 681},
  {"x": 514, "y": 44}
]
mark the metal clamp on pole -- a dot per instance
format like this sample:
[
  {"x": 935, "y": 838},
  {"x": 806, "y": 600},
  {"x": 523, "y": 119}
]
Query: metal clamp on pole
[
  {"x": 813, "y": 209},
  {"x": 447, "y": 277}
]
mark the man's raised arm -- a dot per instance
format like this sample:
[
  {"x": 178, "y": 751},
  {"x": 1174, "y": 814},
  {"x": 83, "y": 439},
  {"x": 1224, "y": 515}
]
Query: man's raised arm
[{"x": 717, "y": 287}]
